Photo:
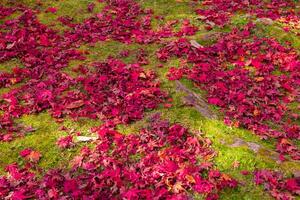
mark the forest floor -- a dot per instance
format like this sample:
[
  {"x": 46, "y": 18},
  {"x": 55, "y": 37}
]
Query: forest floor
[{"x": 237, "y": 149}]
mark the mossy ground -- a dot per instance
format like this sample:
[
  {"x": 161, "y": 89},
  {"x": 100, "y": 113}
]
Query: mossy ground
[{"x": 47, "y": 130}]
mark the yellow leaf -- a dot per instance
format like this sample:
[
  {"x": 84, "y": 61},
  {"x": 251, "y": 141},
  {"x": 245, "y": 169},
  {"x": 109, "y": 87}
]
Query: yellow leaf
[
  {"x": 190, "y": 179},
  {"x": 256, "y": 112},
  {"x": 259, "y": 79}
]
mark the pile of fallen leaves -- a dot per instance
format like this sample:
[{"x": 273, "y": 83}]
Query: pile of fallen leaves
[
  {"x": 162, "y": 161},
  {"x": 278, "y": 186},
  {"x": 110, "y": 90},
  {"x": 4, "y": 12},
  {"x": 253, "y": 80},
  {"x": 218, "y": 12},
  {"x": 123, "y": 21}
]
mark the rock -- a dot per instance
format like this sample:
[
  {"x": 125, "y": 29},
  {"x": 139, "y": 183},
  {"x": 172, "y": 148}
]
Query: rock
[
  {"x": 195, "y": 100},
  {"x": 296, "y": 173},
  {"x": 253, "y": 146},
  {"x": 256, "y": 148},
  {"x": 266, "y": 21},
  {"x": 211, "y": 36},
  {"x": 85, "y": 138},
  {"x": 195, "y": 44},
  {"x": 238, "y": 143},
  {"x": 212, "y": 24}
]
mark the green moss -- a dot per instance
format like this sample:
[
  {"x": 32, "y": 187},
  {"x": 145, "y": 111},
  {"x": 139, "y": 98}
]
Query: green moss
[
  {"x": 74, "y": 9},
  {"x": 132, "y": 128},
  {"x": 68, "y": 8},
  {"x": 44, "y": 140},
  {"x": 102, "y": 50},
  {"x": 239, "y": 20},
  {"x": 276, "y": 31},
  {"x": 9, "y": 65},
  {"x": 171, "y": 10},
  {"x": 248, "y": 191},
  {"x": 222, "y": 136},
  {"x": 12, "y": 16}
]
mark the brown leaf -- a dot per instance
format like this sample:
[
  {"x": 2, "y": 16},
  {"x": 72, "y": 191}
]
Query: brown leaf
[
  {"x": 75, "y": 104},
  {"x": 259, "y": 79},
  {"x": 256, "y": 112},
  {"x": 190, "y": 179},
  {"x": 34, "y": 156},
  {"x": 236, "y": 164}
]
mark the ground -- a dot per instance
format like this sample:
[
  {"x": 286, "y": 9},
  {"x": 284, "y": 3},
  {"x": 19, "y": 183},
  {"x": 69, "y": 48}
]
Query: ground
[{"x": 232, "y": 156}]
